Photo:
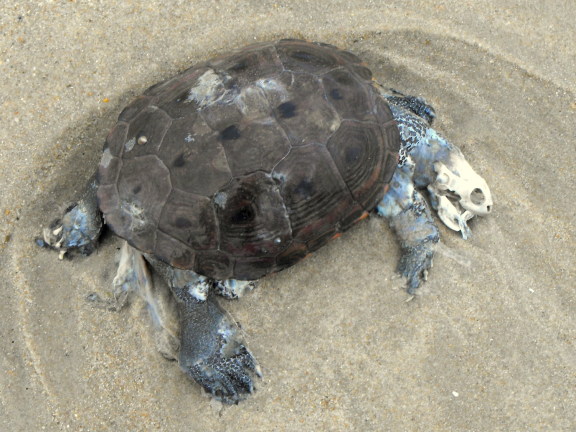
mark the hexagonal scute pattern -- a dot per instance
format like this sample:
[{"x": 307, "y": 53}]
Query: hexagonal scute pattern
[{"x": 244, "y": 164}]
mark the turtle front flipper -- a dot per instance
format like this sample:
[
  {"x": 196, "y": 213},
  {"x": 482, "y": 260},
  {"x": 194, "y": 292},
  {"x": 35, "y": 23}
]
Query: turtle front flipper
[
  {"x": 212, "y": 350},
  {"x": 79, "y": 227},
  {"x": 408, "y": 215}
]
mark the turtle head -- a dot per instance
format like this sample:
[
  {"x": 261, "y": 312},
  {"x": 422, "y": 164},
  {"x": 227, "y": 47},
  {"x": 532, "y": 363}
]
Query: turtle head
[{"x": 459, "y": 192}]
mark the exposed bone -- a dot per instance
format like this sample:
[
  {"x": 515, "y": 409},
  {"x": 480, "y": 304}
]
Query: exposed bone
[
  {"x": 459, "y": 193},
  {"x": 47, "y": 236},
  {"x": 54, "y": 238},
  {"x": 451, "y": 216}
]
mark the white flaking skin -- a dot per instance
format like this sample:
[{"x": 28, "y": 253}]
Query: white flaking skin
[{"x": 206, "y": 89}]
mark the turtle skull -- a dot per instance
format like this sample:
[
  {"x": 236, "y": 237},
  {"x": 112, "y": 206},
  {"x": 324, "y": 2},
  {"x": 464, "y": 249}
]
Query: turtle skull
[{"x": 459, "y": 193}]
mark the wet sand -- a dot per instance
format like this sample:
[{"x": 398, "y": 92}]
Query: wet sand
[{"x": 489, "y": 345}]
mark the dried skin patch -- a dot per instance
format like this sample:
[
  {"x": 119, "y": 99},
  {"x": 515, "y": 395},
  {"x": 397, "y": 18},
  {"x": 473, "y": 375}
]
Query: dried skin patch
[{"x": 207, "y": 90}]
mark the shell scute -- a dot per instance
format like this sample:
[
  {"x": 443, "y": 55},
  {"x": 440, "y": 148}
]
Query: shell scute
[
  {"x": 142, "y": 198},
  {"x": 358, "y": 153},
  {"x": 195, "y": 157},
  {"x": 305, "y": 56},
  {"x": 215, "y": 263},
  {"x": 248, "y": 66},
  {"x": 174, "y": 252},
  {"x": 313, "y": 192},
  {"x": 254, "y": 147},
  {"x": 253, "y": 268},
  {"x": 173, "y": 88},
  {"x": 291, "y": 255},
  {"x": 191, "y": 219},
  {"x": 116, "y": 139},
  {"x": 108, "y": 169},
  {"x": 253, "y": 220},
  {"x": 134, "y": 108},
  {"x": 302, "y": 110},
  {"x": 351, "y": 98},
  {"x": 219, "y": 116},
  {"x": 145, "y": 133}
]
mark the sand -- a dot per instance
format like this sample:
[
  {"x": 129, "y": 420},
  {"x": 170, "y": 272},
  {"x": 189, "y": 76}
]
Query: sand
[{"x": 489, "y": 345}]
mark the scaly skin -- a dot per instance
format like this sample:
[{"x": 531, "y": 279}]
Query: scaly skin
[
  {"x": 408, "y": 215},
  {"x": 212, "y": 351}
]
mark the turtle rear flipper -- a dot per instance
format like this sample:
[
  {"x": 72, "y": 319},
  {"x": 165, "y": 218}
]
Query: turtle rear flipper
[
  {"x": 80, "y": 226},
  {"x": 212, "y": 349}
]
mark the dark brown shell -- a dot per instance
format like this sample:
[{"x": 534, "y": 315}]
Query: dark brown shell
[{"x": 242, "y": 165}]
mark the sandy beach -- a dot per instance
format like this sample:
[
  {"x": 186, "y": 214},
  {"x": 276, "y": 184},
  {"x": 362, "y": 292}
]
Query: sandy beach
[{"x": 489, "y": 344}]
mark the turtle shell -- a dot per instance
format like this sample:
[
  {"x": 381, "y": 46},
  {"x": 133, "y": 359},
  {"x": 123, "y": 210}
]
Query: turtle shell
[{"x": 242, "y": 165}]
